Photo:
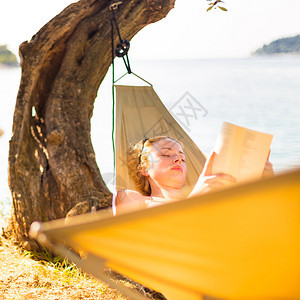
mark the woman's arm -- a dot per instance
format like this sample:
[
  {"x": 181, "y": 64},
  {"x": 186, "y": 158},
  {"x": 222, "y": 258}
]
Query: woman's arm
[
  {"x": 268, "y": 170},
  {"x": 208, "y": 182}
]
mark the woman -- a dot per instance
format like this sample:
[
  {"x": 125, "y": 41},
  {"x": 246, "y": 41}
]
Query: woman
[{"x": 157, "y": 166}]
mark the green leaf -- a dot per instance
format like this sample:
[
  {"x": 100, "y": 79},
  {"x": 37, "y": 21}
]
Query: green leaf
[{"x": 223, "y": 8}]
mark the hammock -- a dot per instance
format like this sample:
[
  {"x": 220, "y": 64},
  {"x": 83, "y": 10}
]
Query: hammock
[
  {"x": 242, "y": 242},
  {"x": 238, "y": 243},
  {"x": 141, "y": 114}
]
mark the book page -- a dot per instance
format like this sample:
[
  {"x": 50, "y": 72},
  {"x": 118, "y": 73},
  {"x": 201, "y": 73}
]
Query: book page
[{"x": 241, "y": 152}]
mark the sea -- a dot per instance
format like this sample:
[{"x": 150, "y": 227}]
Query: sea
[{"x": 260, "y": 92}]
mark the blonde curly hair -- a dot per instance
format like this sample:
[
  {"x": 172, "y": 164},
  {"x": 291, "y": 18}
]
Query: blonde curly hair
[{"x": 138, "y": 158}]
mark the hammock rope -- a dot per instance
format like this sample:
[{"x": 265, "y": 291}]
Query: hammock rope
[{"x": 121, "y": 50}]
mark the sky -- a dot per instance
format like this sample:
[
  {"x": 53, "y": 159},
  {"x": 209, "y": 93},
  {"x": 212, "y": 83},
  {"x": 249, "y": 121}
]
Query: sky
[{"x": 188, "y": 32}]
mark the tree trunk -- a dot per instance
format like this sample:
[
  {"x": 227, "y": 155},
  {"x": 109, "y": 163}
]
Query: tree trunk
[{"x": 52, "y": 164}]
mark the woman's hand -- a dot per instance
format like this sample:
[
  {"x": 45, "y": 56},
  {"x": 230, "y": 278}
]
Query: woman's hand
[
  {"x": 208, "y": 182},
  {"x": 268, "y": 170}
]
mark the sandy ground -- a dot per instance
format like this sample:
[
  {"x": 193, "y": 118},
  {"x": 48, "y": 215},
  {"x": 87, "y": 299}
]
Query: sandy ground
[{"x": 21, "y": 277}]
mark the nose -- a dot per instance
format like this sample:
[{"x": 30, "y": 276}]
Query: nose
[{"x": 177, "y": 159}]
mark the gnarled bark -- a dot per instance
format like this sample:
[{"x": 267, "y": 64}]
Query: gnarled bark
[{"x": 52, "y": 163}]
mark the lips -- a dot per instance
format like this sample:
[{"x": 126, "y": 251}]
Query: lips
[{"x": 177, "y": 168}]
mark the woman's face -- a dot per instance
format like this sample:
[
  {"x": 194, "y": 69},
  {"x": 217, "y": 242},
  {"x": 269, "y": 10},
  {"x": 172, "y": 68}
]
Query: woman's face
[{"x": 166, "y": 164}]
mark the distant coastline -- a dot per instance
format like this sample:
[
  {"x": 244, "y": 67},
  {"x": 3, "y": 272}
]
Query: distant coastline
[
  {"x": 7, "y": 66},
  {"x": 283, "y": 46},
  {"x": 7, "y": 58}
]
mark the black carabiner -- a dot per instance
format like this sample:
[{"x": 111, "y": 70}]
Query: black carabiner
[{"x": 122, "y": 48}]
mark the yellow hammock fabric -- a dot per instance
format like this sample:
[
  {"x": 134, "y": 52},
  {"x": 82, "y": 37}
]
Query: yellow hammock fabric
[
  {"x": 141, "y": 114},
  {"x": 238, "y": 243}
]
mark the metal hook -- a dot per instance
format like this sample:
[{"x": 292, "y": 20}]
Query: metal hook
[{"x": 115, "y": 5}]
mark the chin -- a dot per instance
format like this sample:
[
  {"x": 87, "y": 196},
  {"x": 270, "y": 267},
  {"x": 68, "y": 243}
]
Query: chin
[{"x": 178, "y": 184}]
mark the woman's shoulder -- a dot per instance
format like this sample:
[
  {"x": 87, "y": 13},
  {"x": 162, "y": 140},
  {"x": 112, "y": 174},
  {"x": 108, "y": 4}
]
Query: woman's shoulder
[
  {"x": 129, "y": 200},
  {"x": 130, "y": 195}
]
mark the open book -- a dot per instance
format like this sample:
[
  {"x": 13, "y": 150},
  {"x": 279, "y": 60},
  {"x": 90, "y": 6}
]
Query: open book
[{"x": 241, "y": 152}]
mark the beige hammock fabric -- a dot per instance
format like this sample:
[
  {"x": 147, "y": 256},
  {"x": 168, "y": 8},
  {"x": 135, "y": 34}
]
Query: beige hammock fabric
[
  {"x": 238, "y": 243},
  {"x": 141, "y": 114}
]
